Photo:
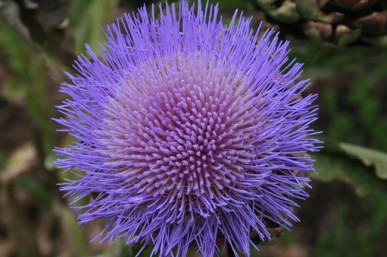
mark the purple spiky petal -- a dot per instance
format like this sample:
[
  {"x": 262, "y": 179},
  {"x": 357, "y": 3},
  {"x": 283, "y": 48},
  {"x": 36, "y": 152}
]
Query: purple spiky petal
[{"x": 188, "y": 131}]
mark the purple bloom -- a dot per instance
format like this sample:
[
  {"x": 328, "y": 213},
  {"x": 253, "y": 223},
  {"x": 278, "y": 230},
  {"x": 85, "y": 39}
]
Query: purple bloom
[{"x": 188, "y": 131}]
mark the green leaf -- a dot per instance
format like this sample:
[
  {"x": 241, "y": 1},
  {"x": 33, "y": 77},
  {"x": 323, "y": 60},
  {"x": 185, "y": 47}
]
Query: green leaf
[
  {"x": 332, "y": 166},
  {"x": 368, "y": 157},
  {"x": 87, "y": 21},
  {"x": 336, "y": 161}
]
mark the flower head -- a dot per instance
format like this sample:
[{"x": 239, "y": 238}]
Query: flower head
[{"x": 189, "y": 131}]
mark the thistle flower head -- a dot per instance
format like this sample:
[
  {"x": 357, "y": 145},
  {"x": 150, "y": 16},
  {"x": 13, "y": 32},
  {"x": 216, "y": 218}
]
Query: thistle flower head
[{"x": 189, "y": 132}]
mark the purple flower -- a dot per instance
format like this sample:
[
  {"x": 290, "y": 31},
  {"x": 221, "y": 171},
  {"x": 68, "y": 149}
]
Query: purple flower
[{"x": 189, "y": 132}]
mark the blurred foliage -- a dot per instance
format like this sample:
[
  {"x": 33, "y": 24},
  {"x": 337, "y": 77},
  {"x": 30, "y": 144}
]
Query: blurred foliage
[
  {"x": 345, "y": 216},
  {"x": 88, "y": 18}
]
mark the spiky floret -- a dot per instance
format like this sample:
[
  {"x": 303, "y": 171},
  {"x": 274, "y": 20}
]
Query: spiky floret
[{"x": 188, "y": 131}]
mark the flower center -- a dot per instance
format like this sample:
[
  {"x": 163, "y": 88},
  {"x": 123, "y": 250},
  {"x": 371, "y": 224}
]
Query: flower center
[{"x": 181, "y": 128}]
